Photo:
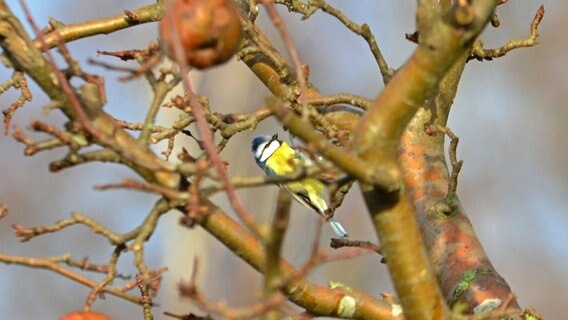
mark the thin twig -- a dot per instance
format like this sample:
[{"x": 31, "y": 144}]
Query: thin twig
[
  {"x": 137, "y": 247},
  {"x": 337, "y": 243},
  {"x": 362, "y": 30},
  {"x": 161, "y": 90},
  {"x": 155, "y": 277},
  {"x": 289, "y": 44},
  {"x": 146, "y": 299},
  {"x": 110, "y": 276},
  {"x": 84, "y": 264},
  {"x": 126, "y": 55},
  {"x": 480, "y": 53},
  {"x": 18, "y": 81},
  {"x": 456, "y": 165},
  {"x": 145, "y": 187},
  {"x": 52, "y": 265}
]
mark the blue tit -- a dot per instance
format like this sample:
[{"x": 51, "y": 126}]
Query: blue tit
[{"x": 277, "y": 158}]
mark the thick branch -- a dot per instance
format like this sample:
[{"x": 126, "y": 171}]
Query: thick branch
[
  {"x": 463, "y": 269},
  {"x": 442, "y": 43}
]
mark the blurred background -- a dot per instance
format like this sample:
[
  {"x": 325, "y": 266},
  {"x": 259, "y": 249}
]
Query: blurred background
[{"x": 510, "y": 115}]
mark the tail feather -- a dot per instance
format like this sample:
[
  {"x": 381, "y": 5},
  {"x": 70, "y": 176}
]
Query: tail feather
[{"x": 337, "y": 228}]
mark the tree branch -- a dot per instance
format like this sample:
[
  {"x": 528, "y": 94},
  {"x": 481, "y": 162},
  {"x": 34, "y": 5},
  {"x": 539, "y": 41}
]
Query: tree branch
[
  {"x": 480, "y": 53},
  {"x": 457, "y": 255},
  {"x": 442, "y": 42},
  {"x": 51, "y": 264},
  {"x": 72, "y": 32},
  {"x": 273, "y": 248}
]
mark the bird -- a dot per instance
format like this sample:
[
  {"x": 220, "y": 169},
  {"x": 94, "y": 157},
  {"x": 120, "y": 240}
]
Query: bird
[{"x": 276, "y": 158}]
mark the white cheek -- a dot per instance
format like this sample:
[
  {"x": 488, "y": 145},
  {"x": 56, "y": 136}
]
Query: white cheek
[
  {"x": 259, "y": 149},
  {"x": 269, "y": 151}
]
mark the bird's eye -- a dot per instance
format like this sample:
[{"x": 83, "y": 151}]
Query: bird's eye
[
  {"x": 274, "y": 138},
  {"x": 266, "y": 145}
]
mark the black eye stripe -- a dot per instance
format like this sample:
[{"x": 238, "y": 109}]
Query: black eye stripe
[
  {"x": 264, "y": 148},
  {"x": 274, "y": 138}
]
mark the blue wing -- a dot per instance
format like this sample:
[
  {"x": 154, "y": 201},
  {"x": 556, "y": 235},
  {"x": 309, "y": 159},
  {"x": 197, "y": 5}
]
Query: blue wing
[{"x": 268, "y": 171}]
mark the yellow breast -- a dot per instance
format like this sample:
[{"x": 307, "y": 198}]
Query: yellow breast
[{"x": 283, "y": 160}]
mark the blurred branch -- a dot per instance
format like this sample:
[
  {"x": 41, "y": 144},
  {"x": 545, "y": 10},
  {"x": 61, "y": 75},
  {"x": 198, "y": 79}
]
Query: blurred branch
[
  {"x": 273, "y": 248},
  {"x": 478, "y": 52},
  {"x": 168, "y": 193},
  {"x": 73, "y": 140},
  {"x": 266, "y": 62},
  {"x": 338, "y": 191},
  {"x": 74, "y": 159},
  {"x": 147, "y": 58},
  {"x": 153, "y": 284},
  {"x": 340, "y": 243},
  {"x": 189, "y": 316},
  {"x": 133, "y": 54},
  {"x": 3, "y": 210}
]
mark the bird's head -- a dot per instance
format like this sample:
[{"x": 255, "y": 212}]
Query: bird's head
[{"x": 263, "y": 147}]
